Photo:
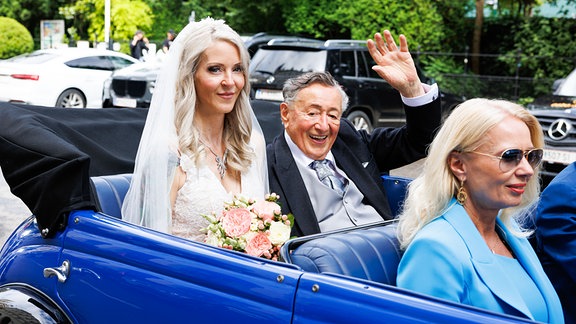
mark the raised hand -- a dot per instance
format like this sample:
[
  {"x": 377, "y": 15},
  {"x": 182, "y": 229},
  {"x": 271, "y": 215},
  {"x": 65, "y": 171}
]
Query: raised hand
[{"x": 395, "y": 65}]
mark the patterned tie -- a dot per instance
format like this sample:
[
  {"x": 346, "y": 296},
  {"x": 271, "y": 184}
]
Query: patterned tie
[{"x": 327, "y": 176}]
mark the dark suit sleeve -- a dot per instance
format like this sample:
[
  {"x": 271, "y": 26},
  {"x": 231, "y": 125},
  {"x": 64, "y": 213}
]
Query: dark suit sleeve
[
  {"x": 47, "y": 155},
  {"x": 556, "y": 221},
  {"x": 396, "y": 147},
  {"x": 556, "y": 237}
]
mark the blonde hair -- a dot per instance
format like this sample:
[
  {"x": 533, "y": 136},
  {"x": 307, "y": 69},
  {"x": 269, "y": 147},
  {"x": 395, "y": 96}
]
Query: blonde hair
[
  {"x": 237, "y": 123},
  {"x": 464, "y": 130}
]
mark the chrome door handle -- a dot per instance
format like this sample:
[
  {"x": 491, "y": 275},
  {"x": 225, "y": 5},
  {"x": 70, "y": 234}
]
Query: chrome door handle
[{"x": 60, "y": 272}]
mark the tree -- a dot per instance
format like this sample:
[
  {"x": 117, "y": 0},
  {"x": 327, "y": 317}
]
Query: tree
[
  {"x": 248, "y": 16},
  {"x": 30, "y": 12},
  {"x": 477, "y": 36},
  {"x": 418, "y": 20},
  {"x": 173, "y": 15},
  {"x": 518, "y": 8},
  {"x": 547, "y": 49},
  {"x": 126, "y": 17},
  {"x": 15, "y": 39}
]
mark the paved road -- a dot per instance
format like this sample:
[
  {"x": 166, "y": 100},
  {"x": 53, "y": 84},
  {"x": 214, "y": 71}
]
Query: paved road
[{"x": 13, "y": 211}]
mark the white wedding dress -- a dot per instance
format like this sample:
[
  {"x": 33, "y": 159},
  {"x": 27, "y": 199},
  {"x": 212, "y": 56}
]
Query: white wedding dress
[
  {"x": 202, "y": 194},
  {"x": 147, "y": 202}
]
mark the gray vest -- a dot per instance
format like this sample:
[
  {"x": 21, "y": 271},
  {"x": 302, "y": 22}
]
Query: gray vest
[{"x": 335, "y": 212}]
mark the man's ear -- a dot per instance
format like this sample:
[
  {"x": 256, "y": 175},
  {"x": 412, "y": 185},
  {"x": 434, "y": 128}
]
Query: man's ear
[
  {"x": 457, "y": 165},
  {"x": 284, "y": 111}
]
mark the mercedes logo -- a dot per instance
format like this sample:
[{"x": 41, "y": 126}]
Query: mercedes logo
[{"x": 559, "y": 129}]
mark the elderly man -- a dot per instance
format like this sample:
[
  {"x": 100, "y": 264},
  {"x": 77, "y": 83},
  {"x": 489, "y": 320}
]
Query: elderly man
[{"x": 326, "y": 172}]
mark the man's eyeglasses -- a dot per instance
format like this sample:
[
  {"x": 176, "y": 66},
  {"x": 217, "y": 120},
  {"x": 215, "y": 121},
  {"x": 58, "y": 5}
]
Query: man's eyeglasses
[{"x": 512, "y": 157}]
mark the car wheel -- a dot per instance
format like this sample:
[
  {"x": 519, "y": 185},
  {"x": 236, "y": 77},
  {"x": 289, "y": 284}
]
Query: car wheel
[
  {"x": 360, "y": 121},
  {"x": 71, "y": 98}
]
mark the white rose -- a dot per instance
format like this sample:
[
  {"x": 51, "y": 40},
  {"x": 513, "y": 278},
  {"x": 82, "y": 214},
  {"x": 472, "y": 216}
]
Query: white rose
[
  {"x": 279, "y": 233},
  {"x": 213, "y": 239}
]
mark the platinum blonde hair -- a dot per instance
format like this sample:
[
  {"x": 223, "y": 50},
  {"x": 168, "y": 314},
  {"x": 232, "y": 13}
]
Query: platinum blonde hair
[
  {"x": 237, "y": 123},
  {"x": 464, "y": 130},
  {"x": 170, "y": 131}
]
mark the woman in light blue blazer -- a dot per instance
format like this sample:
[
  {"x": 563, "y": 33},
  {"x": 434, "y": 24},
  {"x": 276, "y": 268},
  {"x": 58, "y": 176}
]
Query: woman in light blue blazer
[{"x": 460, "y": 224}]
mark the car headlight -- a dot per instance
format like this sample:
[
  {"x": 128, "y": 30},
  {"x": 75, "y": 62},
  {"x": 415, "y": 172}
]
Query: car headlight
[{"x": 106, "y": 88}]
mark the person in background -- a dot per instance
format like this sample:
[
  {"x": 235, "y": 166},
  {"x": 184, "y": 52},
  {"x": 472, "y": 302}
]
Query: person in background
[
  {"x": 170, "y": 35},
  {"x": 201, "y": 143},
  {"x": 327, "y": 173},
  {"x": 460, "y": 224},
  {"x": 556, "y": 237},
  {"x": 138, "y": 45}
]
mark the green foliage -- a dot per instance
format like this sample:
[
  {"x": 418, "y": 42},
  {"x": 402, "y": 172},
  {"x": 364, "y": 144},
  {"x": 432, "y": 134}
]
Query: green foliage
[
  {"x": 455, "y": 27},
  {"x": 418, "y": 20},
  {"x": 318, "y": 19},
  {"x": 547, "y": 48},
  {"x": 244, "y": 16},
  {"x": 30, "y": 12},
  {"x": 126, "y": 16},
  {"x": 248, "y": 16},
  {"x": 442, "y": 69},
  {"x": 15, "y": 39},
  {"x": 171, "y": 15},
  {"x": 525, "y": 101}
]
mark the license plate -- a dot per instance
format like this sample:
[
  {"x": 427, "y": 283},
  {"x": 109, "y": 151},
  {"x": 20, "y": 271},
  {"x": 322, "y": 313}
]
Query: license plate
[
  {"x": 265, "y": 94},
  {"x": 554, "y": 156},
  {"x": 124, "y": 102}
]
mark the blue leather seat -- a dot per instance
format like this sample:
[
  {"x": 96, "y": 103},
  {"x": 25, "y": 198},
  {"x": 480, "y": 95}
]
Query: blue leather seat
[
  {"x": 368, "y": 252},
  {"x": 110, "y": 191},
  {"x": 395, "y": 191}
]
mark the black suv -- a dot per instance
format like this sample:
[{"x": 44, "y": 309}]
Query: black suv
[
  {"x": 254, "y": 42},
  {"x": 373, "y": 102}
]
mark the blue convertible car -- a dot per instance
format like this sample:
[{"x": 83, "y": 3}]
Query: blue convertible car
[{"x": 75, "y": 261}]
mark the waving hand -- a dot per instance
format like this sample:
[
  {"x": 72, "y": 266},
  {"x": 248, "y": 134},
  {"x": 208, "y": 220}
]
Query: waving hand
[{"x": 395, "y": 65}]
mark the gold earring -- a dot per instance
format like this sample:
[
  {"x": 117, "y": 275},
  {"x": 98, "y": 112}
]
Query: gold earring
[{"x": 461, "y": 196}]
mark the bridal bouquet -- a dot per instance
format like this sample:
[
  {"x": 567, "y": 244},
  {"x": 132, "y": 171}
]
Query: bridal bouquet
[{"x": 257, "y": 228}]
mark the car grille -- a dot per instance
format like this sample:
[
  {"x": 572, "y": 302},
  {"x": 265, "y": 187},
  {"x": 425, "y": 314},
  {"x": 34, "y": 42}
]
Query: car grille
[
  {"x": 557, "y": 139},
  {"x": 129, "y": 88}
]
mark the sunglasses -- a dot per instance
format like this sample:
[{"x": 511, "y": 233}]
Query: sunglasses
[{"x": 512, "y": 157}]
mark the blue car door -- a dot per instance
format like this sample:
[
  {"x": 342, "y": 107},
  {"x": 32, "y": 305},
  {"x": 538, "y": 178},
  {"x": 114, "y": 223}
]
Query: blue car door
[{"x": 124, "y": 273}]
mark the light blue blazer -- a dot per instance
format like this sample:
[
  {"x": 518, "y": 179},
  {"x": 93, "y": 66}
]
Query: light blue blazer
[{"x": 449, "y": 259}]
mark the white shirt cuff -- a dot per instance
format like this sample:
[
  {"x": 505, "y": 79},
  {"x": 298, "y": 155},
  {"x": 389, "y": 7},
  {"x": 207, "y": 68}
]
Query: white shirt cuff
[{"x": 430, "y": 95}]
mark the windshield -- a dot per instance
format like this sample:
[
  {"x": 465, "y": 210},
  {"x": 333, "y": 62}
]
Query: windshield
[
  {"x": 273, "y": 62},
  {"x": 568, "y": 87}
]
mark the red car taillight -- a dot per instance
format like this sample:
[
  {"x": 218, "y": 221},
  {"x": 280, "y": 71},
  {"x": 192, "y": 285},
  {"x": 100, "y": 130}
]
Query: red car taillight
[{"x": 25, "y": 76}]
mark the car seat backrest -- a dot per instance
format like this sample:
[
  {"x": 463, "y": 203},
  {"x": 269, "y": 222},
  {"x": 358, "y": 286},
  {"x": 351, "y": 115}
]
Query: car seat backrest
[
  {"x": 395, "y": 188},
  {"x": 368, "y": 253},
  {"x": 110, "y": 191}
]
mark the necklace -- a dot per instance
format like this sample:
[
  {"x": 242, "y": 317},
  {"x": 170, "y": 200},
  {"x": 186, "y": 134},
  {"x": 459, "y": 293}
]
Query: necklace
[
  {"x": 494, "y": 245},
  {"x": 220, "y": 161}
]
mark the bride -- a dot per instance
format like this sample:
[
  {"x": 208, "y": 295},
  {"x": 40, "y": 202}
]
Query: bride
[{"x": 201, "y": 143}]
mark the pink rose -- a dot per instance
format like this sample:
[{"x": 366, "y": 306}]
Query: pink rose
[
  {"x": 258, "y": 244},
  {"x": 266, "y": 209},
  {"x": 236, "y": 221}
]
